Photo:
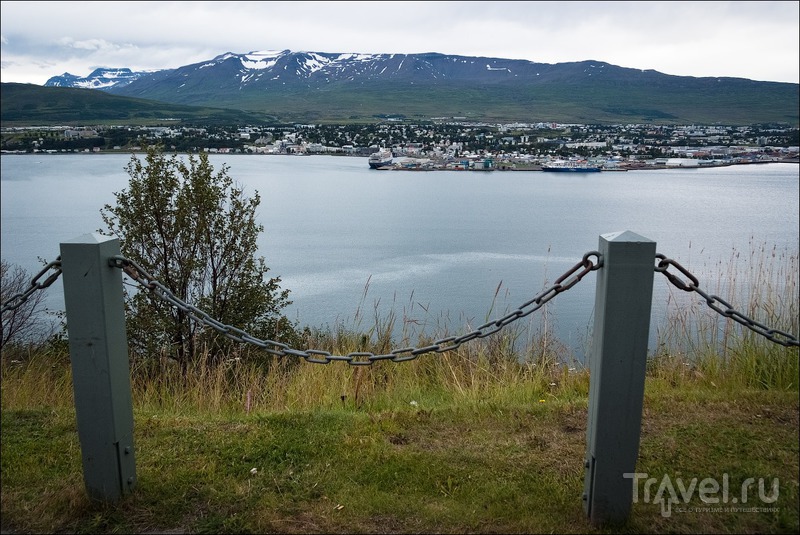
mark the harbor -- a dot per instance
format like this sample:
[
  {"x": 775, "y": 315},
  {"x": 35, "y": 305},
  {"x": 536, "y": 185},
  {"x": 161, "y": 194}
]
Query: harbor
[{"x": 556, "y": 165}]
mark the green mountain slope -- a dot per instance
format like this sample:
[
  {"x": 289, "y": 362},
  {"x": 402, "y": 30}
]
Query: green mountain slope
[
  {"x": 608, "y": 101},
  {"x": 29, "y": 104},
  {"x": 601, "y": 103}
]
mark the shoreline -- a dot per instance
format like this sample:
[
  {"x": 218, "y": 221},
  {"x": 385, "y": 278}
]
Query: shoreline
[
  {"x": 621, "y": 168},
  {"x": 441, "y": 165}
]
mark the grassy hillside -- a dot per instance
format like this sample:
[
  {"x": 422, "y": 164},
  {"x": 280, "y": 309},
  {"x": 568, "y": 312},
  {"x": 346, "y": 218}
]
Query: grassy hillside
[
  {"x": 29, "y": 104},
  {"x": 600, "y": 103},
  {"x": 738, "y": 102}
]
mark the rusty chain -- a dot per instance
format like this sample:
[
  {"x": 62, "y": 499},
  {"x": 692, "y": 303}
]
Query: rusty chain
[
  {"x": 362, "y": 358},
  {"x": 719, "y": 305},
  {"x": 18, "y": 299}
]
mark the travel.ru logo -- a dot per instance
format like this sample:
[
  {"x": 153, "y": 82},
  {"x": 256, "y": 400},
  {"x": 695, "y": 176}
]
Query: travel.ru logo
[{"x": 709, "y": 490}]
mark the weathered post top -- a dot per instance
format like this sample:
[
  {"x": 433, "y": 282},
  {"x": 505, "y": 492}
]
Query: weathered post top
[{"x": 91, "y": 238}]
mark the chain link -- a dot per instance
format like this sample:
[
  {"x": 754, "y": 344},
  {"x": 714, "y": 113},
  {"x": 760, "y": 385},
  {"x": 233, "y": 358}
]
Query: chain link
[
  {"x": 17, "y": 300},
  {"x": 362, "y": 358},
  {"x": 719, "y": 305}
]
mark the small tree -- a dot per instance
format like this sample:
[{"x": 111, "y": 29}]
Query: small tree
[{"x": 195, "y": 232}]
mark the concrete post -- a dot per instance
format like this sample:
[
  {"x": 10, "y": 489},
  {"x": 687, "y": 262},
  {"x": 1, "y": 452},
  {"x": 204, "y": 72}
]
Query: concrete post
[
  {"x": 98, "y": 348},
  {"x": 617, "y": 369}
]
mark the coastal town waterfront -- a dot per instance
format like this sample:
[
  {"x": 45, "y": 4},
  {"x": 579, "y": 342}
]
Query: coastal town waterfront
[
  {"x": 443, "y": 144},
  {"x": 571, "y": 165}
]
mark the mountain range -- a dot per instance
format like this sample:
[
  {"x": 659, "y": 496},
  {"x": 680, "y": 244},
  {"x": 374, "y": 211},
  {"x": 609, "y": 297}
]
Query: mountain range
[{"x": 317, "y": 86}]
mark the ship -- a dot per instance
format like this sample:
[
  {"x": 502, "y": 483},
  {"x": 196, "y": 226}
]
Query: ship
[
  {"x": 382, "y": 158},
  {"x": 571, "y": 167}
]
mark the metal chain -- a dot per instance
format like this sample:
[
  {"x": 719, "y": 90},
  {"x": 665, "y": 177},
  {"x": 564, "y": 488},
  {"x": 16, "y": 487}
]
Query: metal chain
[
  {"x": 362, "y": 358},
  {"x": 577, "y": 272},
  {"x": 563, "y": 283},
  {"x": 721, "y": 306},
  {"x": 18, "y": 299}
]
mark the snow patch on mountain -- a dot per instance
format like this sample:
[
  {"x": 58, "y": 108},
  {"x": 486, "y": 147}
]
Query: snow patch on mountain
[
  {"x": 315, "y": 63},
  {"x": 257, "y": 64},
  {"x": 261, "y": 60},
  {"x": 101, "y": 78}
]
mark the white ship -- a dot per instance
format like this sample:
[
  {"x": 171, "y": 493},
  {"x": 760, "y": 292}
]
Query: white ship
[
  {"x": 571, "y": 166},
  {"x": 382, "y": 158}
]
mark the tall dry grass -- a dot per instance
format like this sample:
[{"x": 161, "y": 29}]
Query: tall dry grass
[
  {"x": 523, "y": 363},
  {"x": 699, "y": 342},
  {"x": 499, "y": 367},
  {"x": 36, "y": 376}
]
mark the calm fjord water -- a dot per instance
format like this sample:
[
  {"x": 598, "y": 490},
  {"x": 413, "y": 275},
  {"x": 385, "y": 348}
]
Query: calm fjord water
[{"x": 432, "y": 247}]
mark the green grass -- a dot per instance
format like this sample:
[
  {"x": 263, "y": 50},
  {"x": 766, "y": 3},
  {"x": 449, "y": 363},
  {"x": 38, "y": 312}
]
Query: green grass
[
  {"x": 408, "y": 453},
  {"x": 489, "y": 438}
]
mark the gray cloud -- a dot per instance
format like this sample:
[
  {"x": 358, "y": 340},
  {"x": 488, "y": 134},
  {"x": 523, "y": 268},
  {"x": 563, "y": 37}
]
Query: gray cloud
[{"x": 757, "y": 40}]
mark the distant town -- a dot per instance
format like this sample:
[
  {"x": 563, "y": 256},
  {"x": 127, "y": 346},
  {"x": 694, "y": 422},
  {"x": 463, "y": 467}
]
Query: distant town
[{"x": 445, "y": 144}]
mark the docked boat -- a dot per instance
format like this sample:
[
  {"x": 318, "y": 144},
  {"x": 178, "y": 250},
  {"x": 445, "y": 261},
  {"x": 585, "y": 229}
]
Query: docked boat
[
  {"x": 571, "y": 167},
  {"x": 382, "y": 158}
]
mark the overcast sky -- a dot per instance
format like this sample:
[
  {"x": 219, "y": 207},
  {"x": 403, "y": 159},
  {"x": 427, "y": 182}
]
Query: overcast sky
[{"x": 755, "y": 40}]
